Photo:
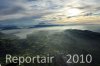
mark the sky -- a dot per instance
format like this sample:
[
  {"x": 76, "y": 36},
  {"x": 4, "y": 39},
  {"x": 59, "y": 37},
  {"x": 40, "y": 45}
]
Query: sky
[{"x": 50, "y": 11}]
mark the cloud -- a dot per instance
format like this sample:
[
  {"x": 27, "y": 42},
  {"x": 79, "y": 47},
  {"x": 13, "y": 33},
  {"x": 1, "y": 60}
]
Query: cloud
[
  {"x": 46, "y": 10},
  {"x": 26, "y": 8},
  {"x": 12, "y": 10}
]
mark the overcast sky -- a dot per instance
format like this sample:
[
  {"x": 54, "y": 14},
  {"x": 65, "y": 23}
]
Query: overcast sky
[{"x": 50, "y": 11}]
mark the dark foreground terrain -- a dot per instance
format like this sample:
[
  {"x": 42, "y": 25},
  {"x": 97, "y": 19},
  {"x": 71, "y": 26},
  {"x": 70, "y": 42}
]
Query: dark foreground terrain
[{"x": 57, "y": 44}]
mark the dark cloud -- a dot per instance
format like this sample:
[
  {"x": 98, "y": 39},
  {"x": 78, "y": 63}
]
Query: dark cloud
[
  {"x": 9, "y": 11},
  {"x": 8, "y": 7}
]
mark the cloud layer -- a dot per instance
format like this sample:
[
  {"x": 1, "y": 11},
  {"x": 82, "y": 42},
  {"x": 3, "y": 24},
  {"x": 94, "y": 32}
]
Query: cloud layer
[{"x": 46, "y": 10}]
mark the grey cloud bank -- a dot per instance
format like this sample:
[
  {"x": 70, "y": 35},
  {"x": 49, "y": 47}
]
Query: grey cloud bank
[{"x": 17, "y": 9}]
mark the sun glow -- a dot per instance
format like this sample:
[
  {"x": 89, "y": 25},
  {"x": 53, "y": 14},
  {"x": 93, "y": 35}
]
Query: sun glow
[{"x": 73, "y": 12}]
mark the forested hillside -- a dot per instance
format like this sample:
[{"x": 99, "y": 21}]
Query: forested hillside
[{"x": 57, "y": 44}]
